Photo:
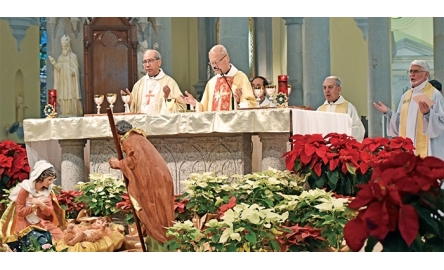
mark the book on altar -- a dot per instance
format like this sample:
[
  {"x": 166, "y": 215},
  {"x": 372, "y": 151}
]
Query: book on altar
[{"x": 425, "y": 98}]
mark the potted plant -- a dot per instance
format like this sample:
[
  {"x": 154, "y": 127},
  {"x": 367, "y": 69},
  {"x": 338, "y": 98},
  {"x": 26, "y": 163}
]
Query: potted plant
[
  {"x": 101, "y": 194},
  {"x": 401, "y": 207}
]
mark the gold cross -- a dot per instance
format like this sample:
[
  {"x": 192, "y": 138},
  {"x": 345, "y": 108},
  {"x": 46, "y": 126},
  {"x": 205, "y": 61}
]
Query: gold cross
[{"x": 149, "y": 97}]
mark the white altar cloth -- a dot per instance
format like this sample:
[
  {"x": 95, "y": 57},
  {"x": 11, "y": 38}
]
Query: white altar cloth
[{"x": 311, "y": 122}]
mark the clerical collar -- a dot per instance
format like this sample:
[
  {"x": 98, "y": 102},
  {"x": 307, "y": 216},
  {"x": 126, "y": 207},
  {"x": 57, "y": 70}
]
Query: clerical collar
[
  {"x": 420, "y": 87},
  {"x": 152, "y": 77},
  {"x": 331, "y": 103},
  {"x": 226, "y": 73}
]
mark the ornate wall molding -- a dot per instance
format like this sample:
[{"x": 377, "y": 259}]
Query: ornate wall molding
[{"x": 19, "y": 26}]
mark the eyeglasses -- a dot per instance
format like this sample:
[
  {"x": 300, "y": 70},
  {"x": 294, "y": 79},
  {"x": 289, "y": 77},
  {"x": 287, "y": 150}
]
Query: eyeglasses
[
  {"x": 414, "y": 71},
  {"x": 217, "y": 62},
  {"x": 149, "y": 61}
]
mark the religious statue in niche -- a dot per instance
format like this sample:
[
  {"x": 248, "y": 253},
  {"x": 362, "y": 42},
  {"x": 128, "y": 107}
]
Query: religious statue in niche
[
  {"x": 20, "y": 108},
  {"x": 67, "y": 80}
]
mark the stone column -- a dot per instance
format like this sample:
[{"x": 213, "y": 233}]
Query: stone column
[
  {"x": 72, "y": 162},
  {"x": 294, "y": 59},
  {"x": 202, "y": 58},
  {"x": 438, "y": 48},
  {"x": 263, "y": 47},
  {"x": 379, "y": 66},
  {"x": 316, "y": 60},
  {"x": 274, "y": 145},
  {"x": 233, "y": 32},
  {"x": 165, "y": 45}
]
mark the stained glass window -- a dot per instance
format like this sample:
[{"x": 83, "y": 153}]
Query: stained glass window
[{"x": 43, "y": 42}]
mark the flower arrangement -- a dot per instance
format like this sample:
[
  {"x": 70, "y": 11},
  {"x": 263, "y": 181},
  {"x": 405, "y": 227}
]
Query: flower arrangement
[
  {"x": 339, "y": 162},
  {"x": 14, "y": 166},
  {"x": 100, "y": 194},
  {"x": 401, "y": 206}
]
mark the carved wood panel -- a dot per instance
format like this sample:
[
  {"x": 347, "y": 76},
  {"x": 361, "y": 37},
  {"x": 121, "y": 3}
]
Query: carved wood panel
[{"x": 110, "y": 60}]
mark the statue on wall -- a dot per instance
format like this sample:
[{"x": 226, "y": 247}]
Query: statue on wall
[
  {"x": 67, "y": 80},
  {"x": 20, "y": 108}
]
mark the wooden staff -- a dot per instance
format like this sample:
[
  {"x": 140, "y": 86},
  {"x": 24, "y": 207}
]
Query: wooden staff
[{"x": 120, "y": 157}]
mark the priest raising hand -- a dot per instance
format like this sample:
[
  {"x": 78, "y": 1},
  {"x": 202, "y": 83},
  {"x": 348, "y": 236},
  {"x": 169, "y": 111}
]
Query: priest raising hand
[
  {"x": 422, "y": 123},
  {"x": 227, "y": 83}
]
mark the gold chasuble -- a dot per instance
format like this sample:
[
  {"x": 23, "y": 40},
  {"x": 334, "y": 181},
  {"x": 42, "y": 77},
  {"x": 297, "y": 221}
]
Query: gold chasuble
[
  {"x": 222, "y": 94},
  {"x": 421, "y": 139},
  {"x": 340, "y": 108}
]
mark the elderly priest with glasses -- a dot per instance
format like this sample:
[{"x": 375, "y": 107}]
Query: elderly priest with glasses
[
  {"x": 420, "y": 113},
  {"x": 229, "y": 89}
]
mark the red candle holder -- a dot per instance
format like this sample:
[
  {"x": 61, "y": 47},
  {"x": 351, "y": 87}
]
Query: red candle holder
[
  {"x": 52, "y": 98},
  {"x": 283, "y": 84}
]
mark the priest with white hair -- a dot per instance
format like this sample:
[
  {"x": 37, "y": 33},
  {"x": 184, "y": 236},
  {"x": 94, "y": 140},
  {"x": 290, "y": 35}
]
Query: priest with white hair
[{"x": 420, "y": 113}]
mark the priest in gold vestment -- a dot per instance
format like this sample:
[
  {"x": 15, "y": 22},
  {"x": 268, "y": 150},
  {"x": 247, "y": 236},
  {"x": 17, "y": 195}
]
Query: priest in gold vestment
[
  {"x": 155, "y": 92},
  {"x": 229, "y": 89},
  {"x": 334, "y": 102}
]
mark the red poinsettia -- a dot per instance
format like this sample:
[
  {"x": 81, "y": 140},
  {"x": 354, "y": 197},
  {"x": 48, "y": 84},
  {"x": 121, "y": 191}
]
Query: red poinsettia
[
  {"x": 297, "y": 238},
  {"x": 14, "y": 166},
  {"x": 67, "y": 202},
  {"x": 230, "y": 205},
  {"x": 125, "y": 204},
  {"x": 337, "y": 161},
  {"x": 399, "y": 190}
]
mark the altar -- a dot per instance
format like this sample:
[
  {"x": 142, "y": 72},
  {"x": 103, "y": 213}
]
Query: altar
[{"x": 189, "y": 142}]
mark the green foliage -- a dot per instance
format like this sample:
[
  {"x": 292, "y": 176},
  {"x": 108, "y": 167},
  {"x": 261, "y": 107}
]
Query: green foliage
[
  {"x": 206, "y": 192},
  {"x": 319, "y": 209},
  {"x": 101, "y": 194},
  {"x": 251, "y": 211}
]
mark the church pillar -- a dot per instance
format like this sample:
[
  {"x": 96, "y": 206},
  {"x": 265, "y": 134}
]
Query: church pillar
[
  {"x": 379, "y": 66},
  {"x": 234, "y": 34},
  {"x": 316, "y": 60},
  {"x": 202, "y": 59},
  {"x": 72, "y": 162},
  {"x": 263, "y": 47},
  {"x": 294, "y": 59},
  {"x": 438, "y": 48},
  {"x": 273, "y": 146},
  {"x": 165, "y": 44}
]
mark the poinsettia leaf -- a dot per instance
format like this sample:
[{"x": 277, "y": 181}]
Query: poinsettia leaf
[
  {"x": 355, "y": 233},
  {"x": 333, "y": 177},
  {"x": 377, "y": 219},
  {"x": 251, "y": 237},
  {"x": 364, "y": 196},
  {"x": 408, "y": 223}
]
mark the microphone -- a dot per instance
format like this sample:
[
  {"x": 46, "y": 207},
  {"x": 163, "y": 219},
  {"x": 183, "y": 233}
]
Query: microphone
[{"x": 232, "y": 93}]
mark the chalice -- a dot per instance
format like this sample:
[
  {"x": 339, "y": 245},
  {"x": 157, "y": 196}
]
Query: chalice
[
  {"x": 258, "y": 91},
  {"x": 270, "y": 90},
  {"x": 111, "y": 98},
  {"x": 126, "y": 98},
  {"x": 171, "y": 102},
  {"x": 98, "y": 99}
]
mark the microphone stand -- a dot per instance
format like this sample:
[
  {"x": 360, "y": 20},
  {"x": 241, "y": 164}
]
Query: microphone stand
[{"x": 232, "y": 94}]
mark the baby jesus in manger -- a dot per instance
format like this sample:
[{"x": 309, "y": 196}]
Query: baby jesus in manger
[{"x": 87, "y": 233}]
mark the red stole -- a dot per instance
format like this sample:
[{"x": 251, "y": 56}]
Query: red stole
[{"x": 222, "y": 94}]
